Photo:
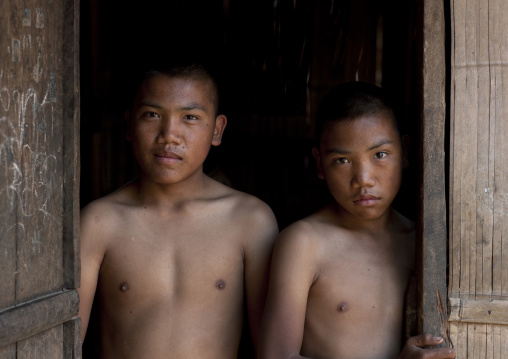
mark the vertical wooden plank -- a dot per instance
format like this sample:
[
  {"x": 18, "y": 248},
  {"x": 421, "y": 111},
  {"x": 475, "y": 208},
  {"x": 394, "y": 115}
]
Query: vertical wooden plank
[
  {"x": 469, "y": 156},
  {"x": 8, "y": 352},
  {"x": 72, "y": 339},
  {"x": 46, "y": 345},
  {"x": 8, "y": 175},
  {"x": 458, "y": 267},
  {"x": 454, "y": 336},
  {"x": 502, "y": 185},
  {"x": 504, "y": 341},
  {"x": 71, "y": 164},
  {"x": 496, "y": 148},
  {"x": 484, "y": 209},
  {"x": 496, "y": 342},
  {"x": 432, "y": 236},
  {"x": 37, "y": 154}
]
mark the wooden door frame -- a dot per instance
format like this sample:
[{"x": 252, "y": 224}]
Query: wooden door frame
[
  {"x": 432, "y": 236},
  {"x": 26, "y": 319}
]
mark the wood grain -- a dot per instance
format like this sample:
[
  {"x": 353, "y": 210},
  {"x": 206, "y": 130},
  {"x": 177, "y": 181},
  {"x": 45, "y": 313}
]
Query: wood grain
[
  {"x": 24, "y": 321},
  {"x": 432, "y": 235}
]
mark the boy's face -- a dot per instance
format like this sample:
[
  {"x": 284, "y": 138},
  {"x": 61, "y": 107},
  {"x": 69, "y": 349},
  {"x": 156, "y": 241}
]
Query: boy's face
[
  {"x": 361, "y": 161},
  {"x": 172, "y": 126}
]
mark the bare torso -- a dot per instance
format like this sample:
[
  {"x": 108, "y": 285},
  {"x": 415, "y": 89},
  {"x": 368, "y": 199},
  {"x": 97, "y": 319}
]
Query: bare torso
[
  {"x": 354, "y": 304},
  {"x": 171, "y": 284}
]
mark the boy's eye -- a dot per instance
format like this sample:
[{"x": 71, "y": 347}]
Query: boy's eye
[
  {"x": 342, "y": 160},
  {"x": 190, "y": 117},
  {"x": 380, "y": 155},
  {"x": 151, "y": 114}
]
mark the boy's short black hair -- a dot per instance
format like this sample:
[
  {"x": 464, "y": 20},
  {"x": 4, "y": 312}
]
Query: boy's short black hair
[
  {"x": 191, "y": 70},
  {"x": 351, "y": 100}
]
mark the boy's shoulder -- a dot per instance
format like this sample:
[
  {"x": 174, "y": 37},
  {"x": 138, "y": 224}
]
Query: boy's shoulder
[
  {"x": 242, "y": 205},
  {"x": 106, "y": 211},
  {"x": 311, "y": 234}
]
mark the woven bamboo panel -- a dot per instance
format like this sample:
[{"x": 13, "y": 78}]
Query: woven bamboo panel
[{"x": 479, "y": 178}]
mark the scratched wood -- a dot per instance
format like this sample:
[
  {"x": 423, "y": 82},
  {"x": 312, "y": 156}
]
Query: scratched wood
[
  {"x": 39, "y": 88},
  {"x": 432, "y": 236},
  {"x": 478, "y": 281},
  {"x": 47, "y": 344}
]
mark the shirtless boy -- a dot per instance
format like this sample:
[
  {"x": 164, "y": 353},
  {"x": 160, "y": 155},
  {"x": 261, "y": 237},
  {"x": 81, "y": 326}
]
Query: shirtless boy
[
  {"x": 174, "y": 254},
  {"x": 339, "y": 276}
]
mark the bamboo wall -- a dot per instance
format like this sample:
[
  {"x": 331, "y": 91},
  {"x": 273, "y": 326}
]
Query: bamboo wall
[{"x": 478, "y": 217}]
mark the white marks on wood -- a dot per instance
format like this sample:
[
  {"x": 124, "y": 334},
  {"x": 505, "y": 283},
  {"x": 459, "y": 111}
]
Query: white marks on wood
[
  {"x": 25, "y": 43},
  {"x": 37, "y": 71},
  {"x": 27, "y": 17},
  {"x": 29, "y": 173},
  {"x": 30, "y": 169},
  {"x": 39, "y": 18}
]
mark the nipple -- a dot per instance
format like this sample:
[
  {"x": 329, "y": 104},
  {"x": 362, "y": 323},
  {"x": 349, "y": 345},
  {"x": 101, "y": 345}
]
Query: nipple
[
  {"x": 220, "y": 284},
  {"x": 124, "y": 286},
  {"x": 342, "y": 307}
]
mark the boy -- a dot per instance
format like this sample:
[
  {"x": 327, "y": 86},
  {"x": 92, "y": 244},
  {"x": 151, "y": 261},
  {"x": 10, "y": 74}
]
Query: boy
[
  {"x": 172, "y": 253},
  {"x": 339, "y": 276}
]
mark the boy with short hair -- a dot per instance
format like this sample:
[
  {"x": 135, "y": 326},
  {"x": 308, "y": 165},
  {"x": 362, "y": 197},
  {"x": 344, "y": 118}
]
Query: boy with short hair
[
  {"x": 174, "y": 254},
  {"x": 339, "y": 276}
]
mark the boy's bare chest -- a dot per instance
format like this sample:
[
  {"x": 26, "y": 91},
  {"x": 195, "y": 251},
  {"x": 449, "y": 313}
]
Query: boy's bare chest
[
  {"x": 357, "y": 284},
  {"x": 173, "y": 261}
]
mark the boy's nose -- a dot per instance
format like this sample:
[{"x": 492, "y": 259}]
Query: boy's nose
[
  {"x": 169, "y": 132},
  {"x": 362, "y": 176}
]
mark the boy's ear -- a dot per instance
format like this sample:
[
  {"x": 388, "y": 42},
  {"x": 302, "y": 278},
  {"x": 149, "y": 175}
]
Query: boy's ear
[
  {"x": 128, "y": 124},
  {"x": 319, "y": 165},
  {"x": 405, "y": 151},
  {"x": 220, "y": 124}
]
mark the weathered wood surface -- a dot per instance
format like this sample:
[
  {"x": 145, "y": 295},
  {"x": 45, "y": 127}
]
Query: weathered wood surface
[
  {"x": 478, "y": 226},
  {"x": 24, "y": 321},
  {"x": 47, "y": 344},
  {"x": 72, "y": 339},
  {"x": 432, "y": 233},
  {"x": 70, "y": 149},
  {"x": 31, "y": 149},
  {"x": 39, "y": 113},
  {"x": 479, "y": 311}
]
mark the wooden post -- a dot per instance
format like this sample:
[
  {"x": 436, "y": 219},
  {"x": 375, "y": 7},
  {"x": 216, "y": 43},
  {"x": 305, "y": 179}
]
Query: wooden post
[{"x": 432, "y": 235}]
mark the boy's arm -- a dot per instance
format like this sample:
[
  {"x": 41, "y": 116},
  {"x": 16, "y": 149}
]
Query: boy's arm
[
  {"x": 292, "y": 274},
  {"x": 92, "y": 252},
  {"x": 258, "y": 250}
]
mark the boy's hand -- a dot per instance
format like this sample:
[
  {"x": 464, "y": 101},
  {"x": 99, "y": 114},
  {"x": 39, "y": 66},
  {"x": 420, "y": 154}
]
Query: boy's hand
[{"x": 414, "y": 348}]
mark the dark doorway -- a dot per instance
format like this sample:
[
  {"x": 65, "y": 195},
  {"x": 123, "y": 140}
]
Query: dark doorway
[{"x": 275, "y": 60}]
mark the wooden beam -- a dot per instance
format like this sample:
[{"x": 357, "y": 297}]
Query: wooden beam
[
  {"x": 478, "y": 311},
  {"x": 31, "y": 318},
  {"x": 71, "y": 165},
  {"x": 72, "y": 339},
  {"x": 432, "y": 233}
]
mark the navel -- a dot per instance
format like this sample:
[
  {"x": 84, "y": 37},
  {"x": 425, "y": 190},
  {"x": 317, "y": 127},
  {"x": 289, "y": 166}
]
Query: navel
[
  {"x": 342, "y": 307},
  {"x": 220, "y": 284},
  {"x": 124, "y": 286}
]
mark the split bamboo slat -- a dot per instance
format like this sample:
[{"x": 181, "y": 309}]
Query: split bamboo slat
[{"x": 478, "y": 218}]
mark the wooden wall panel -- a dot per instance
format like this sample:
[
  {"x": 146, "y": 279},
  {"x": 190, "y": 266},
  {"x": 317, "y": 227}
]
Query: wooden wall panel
[
  {"x": 431, "y": 234},
  {"x": 39, "y": 121},
  {"x": 47, "y": 344},
  {"x": 478, "y": 280},
  {"x": 31, "y": 143}
]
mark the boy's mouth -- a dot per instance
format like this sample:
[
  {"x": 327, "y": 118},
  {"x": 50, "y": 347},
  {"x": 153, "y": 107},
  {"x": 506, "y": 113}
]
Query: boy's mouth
[
  {"x": 365, "y": 200},
  {"x": 167, "y": 156}
]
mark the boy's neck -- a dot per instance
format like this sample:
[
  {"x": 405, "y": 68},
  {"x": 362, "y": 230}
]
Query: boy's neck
[
  {"x": 172, "y": 193},
  {"x": 371, "y": 226}
]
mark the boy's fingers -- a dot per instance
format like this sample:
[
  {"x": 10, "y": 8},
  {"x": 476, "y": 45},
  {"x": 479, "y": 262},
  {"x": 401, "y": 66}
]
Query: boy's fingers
[
  {"x": 423, "y": 340},
  {"x": 414, "y": 348}
]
